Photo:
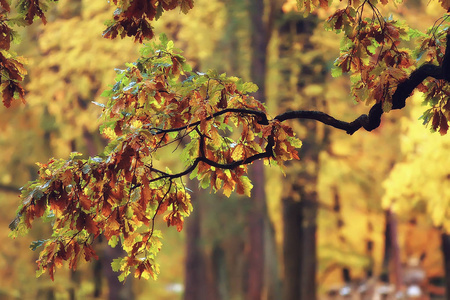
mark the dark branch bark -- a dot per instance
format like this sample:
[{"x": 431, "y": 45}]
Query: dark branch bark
[
  {"x": 268, "y": 152},
  {"x": 373, "y": 120},
  {"x": 350, "y": 128},
  {"x": 229, "y": 166}
]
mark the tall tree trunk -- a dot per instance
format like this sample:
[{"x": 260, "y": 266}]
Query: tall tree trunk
[
  {"x": 300, "y": 203},
  {"x": 117, "y": 290},
  {"x": 258, "y": 214},
  {"x": 391, "y": 261},
  {"x": 198, "y": 285},
  {"x": 225, "y": 281},
  {"x": 308, "y": 265},
  {"x": 220, "y": 273},
  {"x": 97, "y": 273},
  {"x": 446, "y": 255},
  {"x": 299, "y": 244},
  {"x": 256, "y": 225},
  {"x": 292, "y": 244}
]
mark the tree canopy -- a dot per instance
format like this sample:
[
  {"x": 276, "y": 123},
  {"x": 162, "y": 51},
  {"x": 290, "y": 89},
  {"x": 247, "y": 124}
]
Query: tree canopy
[{"x": 209, "y": 120}]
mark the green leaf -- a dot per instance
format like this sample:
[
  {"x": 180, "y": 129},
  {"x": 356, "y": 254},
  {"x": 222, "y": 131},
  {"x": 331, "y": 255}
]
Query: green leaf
[
  {"x": 163, "y": 39},
  {"x": 414, "y": 33},
  {"x": 295, "y": 142},
  {"x": 187, "y": 67},
  {"x": 336, "y": 72},
  {"x": 212, "y": 73},
  {"x": 74, "y": 154},
  {"x": 247, "y": 185},
  {"x": 373, "y": 47},
  {"x": 35, "y": 244},
  {"x": 249, "y": 87},
  {"x": 39, "y": 272},
  {"x": 205, "y": 182},
  {"x": 159, "y": 11},
  {"x": 169, "y": 46},
  {"x": 117, "y": 264},
  {"x": 124, "y": 275}
]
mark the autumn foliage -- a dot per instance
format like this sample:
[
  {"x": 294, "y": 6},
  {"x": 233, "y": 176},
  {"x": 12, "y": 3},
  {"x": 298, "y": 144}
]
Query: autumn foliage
[
  {"x": 209, "y": 120},
  {"x": 133, "y": 18},
  {"x": 155, "y": 103}
]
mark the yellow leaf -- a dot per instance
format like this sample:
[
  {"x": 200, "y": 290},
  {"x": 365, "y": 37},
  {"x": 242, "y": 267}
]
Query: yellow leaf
[
  {"x": 244, "y": 186},
  {"x": 445, "y": 4},
  {"x": 227, "y": 188},
  {"x": 238, "y": 152}
]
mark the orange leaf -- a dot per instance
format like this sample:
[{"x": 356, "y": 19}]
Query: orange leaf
[
  {"x": 66, "y": 177},
  {"x": 89, "y": 252},
  {"x": 4, "y": 4},
  {"x": 85, "y": 202},
  {"x": 445, "y": 4},
  {"x": 8, "y": 95},
  {"x": 443, "y": 124},
  {"x": 91, "y": 226}
]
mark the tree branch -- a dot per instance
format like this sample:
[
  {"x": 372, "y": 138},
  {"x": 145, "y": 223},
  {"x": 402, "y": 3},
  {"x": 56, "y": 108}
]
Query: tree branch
[
  {"x": 268, "y": 152},
  {"x": 373, "y": 120},
  {"x": 368, "y": 122}
]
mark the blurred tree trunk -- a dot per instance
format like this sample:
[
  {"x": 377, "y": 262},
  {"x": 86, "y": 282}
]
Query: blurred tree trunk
[
  {"x": 446, "y": 255},
  {"x": 300, "y": 242},
  {"x": 45, "y": 294},
  {"x": 391, "y": 260},
  {"x": 218, "y": 259},
  {"x": 198, "y": 285},
  {"x": 300, "y": 203},
  {"x": 259, "y": 285},
  {"x": 117, "y": 290},
  {"x": 292, "y": 243}
]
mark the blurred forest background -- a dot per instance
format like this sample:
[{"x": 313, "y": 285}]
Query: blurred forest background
[{"x": 360, "y": 211}]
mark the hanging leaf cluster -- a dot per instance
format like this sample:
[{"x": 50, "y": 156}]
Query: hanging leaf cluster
[
  {"x": 132, "y": 18},
  {"x": 371, "y": 52},
  {"x": 217, "y": 129},
  {"x": 437, "y": 91},
  {"x": 383, "y": 70},
  {"x": 12, "y": 70}
]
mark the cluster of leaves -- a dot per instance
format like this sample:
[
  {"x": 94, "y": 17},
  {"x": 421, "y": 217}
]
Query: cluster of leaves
[
  {"x": 156, "y": 103},
  {"x": 371, "y": 53},
  {"x": 12, "y": 71},
  {"x": 159, "y": 104},
  {"x": 132, "y": 18},
  {"x": 437, "y": 92}
]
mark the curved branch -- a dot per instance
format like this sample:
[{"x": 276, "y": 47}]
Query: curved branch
[
  {"x": 373, "y": 120},
  {"x": 229, "y": 166},
  {"x": 349, "y": 127},
  {"x": 405, "y": 88}
]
